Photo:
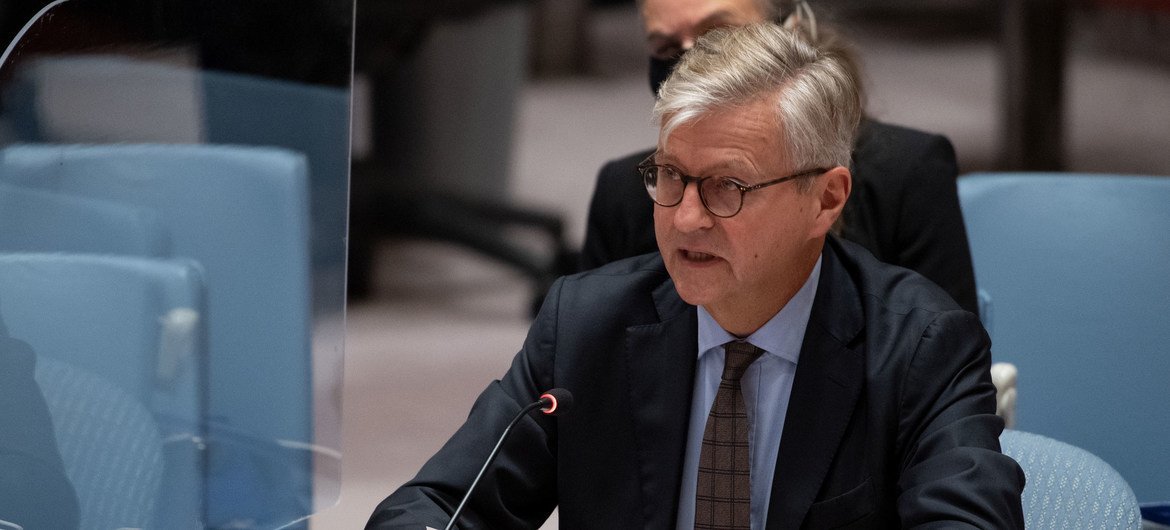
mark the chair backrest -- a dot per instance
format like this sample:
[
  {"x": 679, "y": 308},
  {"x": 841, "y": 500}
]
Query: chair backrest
[
  {"x": 109, "y": 98},
  {"x": 242, "y": 213},
  {"x": 110, "y": 444},
  {"x": 1075, "y": 268},
  {"x": 42, "y": 221},
  {"x": 308, "y": 119},
  {"x": 135, "y": 323},
  {"x": 1068, "y": 487}
]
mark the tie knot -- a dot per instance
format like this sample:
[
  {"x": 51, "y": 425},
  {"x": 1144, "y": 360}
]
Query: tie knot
[{"x": 740, "y": 355}]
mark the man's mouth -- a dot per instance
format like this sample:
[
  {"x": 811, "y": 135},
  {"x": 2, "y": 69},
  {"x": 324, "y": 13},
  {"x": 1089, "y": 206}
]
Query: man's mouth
[{"x": 696, "y": 256}]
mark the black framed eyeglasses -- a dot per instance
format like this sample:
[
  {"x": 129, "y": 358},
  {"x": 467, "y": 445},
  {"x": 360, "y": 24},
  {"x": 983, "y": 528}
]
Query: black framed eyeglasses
[{"x": 722, "y": 196}]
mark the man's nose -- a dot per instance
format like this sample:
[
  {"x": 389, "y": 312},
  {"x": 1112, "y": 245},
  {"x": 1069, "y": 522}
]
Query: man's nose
[{"x": 690, "y": 214}]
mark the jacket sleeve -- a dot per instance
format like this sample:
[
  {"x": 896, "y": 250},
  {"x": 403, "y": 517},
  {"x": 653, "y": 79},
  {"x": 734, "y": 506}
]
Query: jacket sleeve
[
  {"x": 952, "y": 472},
  {"x": 519, "y": 489},
  {"x": 931, "y": 237}
]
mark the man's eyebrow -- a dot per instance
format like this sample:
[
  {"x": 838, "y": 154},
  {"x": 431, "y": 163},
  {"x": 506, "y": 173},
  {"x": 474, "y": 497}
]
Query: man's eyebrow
[
  {"x": 721, "y": 168},
  {"x": 656, "y": 35},
  {"x": 717, "y": 17}
]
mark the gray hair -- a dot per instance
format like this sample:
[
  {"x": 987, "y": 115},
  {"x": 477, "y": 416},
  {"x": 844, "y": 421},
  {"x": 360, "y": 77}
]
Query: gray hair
[{"x": 816, "y": 97}]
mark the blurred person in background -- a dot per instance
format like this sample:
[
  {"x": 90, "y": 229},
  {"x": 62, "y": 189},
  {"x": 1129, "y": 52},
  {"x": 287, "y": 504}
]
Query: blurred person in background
[{"x": 904, "y": 207}]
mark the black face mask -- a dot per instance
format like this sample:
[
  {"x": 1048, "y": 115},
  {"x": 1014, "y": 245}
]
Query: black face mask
[{"x": 660, "y": 69}]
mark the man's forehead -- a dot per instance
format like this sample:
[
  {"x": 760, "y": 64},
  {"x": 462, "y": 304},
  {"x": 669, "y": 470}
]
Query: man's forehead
[
  {"x": 731, "y": 137},
  {"x": 667, "y": 15}
]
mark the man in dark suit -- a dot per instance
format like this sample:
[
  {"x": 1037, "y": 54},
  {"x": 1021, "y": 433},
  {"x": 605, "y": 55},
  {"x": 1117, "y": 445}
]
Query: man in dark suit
[
  {"x": 860, "y": 392},
  {"x": 904, "y": 207}
]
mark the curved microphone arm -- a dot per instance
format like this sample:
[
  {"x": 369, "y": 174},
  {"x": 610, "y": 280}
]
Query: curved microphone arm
[{"x": 553, "y": 402}]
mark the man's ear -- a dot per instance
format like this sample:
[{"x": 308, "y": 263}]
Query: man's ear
[{"x": 832, "y": 192}]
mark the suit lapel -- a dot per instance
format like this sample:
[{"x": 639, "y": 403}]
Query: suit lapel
[
  {"x": 660, "y": 360},
  {"x": 829, "y": 379}
]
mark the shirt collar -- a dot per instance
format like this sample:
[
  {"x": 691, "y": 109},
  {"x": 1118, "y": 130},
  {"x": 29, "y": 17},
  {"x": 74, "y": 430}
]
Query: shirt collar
[{"x": 781, "y": 336}]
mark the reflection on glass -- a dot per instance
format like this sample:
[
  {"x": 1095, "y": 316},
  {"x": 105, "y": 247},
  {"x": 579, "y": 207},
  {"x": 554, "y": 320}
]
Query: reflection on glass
[{"x": 173, "y": 184}]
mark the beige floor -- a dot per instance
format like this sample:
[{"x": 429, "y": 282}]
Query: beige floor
[{"x": 446, "y": 321}]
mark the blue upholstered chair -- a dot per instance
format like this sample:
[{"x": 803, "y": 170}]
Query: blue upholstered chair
[
  {"x": 242, "y": 213},
  {"x": 1068, "y": 487},
  {"x": 115, "y": 99},
  {"x": 1074, "y": 269},
  {"x": 126, "y": 332}
]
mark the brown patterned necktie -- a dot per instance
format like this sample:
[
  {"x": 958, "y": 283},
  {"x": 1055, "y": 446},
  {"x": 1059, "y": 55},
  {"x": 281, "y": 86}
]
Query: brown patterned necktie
[{"x": 723, "y": 495}]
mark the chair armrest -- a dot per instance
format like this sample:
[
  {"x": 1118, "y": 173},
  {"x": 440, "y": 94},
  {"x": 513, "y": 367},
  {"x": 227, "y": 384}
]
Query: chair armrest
[{"x": 1004, "y": 376}]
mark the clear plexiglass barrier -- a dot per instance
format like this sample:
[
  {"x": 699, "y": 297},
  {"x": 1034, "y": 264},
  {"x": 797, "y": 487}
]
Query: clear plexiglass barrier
[{"x": 173, "y": 194}]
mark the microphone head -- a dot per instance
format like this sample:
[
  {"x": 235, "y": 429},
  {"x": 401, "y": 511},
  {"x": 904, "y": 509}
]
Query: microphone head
[{"x": 557, "y": 401}]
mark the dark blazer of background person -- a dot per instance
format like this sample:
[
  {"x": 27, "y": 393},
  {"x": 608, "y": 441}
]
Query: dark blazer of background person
[
  {"x": 904, "y": 208},
  {"x": 34, "y": 492},
  {"x": 891, "y": 421}
]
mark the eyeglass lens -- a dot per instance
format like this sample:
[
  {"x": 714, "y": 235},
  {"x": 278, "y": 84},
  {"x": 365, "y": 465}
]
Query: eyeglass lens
[{"x": 720, "y": 195}]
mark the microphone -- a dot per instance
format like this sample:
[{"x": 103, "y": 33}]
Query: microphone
[{"x": 555, "y": 402}]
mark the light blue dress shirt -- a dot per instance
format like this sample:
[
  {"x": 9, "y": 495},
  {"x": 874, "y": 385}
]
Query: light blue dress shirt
[{"x": 767, "y": 385}]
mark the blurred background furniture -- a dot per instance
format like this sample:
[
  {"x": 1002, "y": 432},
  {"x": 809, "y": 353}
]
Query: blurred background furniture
[
  {"x": 443, "y": 82},
  {"x": 1034, "y": 48},
  {"x": 1069, "y": 487},
  {"x": 1074, "y": 267},
  {"x": 124, "y": 332},
  {"x": 267, "y": 225},
  {"x": 242, "y": 214},
  {"x": 99, "y": 98}
]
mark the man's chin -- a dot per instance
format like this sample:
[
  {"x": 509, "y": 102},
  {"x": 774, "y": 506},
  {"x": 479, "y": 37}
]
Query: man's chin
[{"x": 695, "y": 292}]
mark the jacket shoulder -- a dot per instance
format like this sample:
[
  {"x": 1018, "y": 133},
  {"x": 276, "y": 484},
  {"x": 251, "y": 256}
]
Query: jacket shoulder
[
  {"x": 878, "y": 136},
  {"x": 611, "y": 290},
  {"x": 891, "y": 288},
  {"x": 619, "y": 176},
  {"x": 625, "y": 164},
  {"x": 890, "y": 153}
]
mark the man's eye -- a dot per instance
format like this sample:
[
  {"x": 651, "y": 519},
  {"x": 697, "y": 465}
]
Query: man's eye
[
  {"x": 667, "y": 51},
  {"x": 726, "y": 184}
]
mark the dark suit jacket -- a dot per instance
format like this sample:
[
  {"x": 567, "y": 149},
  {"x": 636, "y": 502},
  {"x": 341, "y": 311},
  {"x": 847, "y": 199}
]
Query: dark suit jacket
[
  {"x": 904, "y": 208},
  {"x": 891, "y": 420}
]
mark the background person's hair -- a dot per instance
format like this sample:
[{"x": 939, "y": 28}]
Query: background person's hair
[
  {"x": 799, "y": 15},
  {"x": 817, "y": 102},
  {"x": 832, "y": 40}
]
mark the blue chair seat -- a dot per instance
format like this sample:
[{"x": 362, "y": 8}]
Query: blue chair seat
[{"x": 1068, "y": 487}]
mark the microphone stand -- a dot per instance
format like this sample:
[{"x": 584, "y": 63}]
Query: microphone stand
[{"x": 524, "y": 411}]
